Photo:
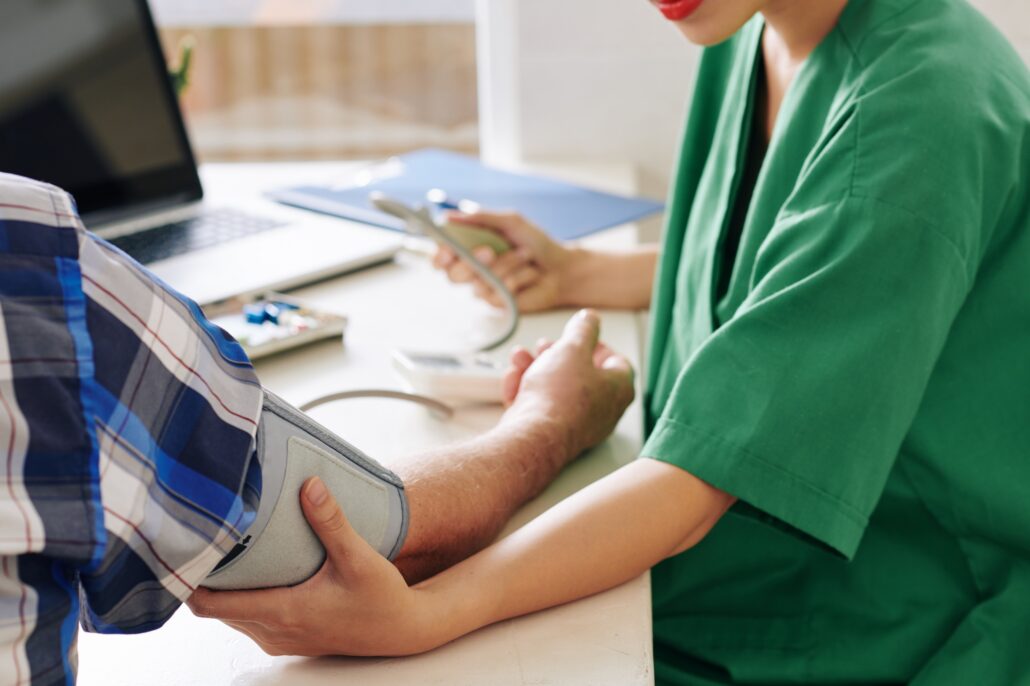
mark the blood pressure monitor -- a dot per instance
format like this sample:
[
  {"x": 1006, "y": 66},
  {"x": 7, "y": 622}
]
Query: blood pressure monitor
[{"x": 471, "y": 377}]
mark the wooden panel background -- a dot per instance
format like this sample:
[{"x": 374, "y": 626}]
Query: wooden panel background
[{"x": 326, "y": 92}]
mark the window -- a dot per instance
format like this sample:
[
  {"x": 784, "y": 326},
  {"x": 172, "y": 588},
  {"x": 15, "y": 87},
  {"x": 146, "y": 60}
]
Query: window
[{"x": 323, "y": 79}]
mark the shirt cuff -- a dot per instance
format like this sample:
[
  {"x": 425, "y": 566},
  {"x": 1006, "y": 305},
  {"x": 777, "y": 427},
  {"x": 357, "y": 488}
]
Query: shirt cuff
[{"x": 803, "y": 508}]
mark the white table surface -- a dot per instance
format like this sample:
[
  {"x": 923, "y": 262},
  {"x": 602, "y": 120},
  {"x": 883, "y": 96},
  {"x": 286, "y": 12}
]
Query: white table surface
[{"x": 605, "y": 639}]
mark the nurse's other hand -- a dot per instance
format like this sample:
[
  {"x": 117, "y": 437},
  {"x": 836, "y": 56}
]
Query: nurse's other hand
[
  {"x": 534, "y": 270},
  {"x": 356, "y": 604},
  {"x": 576, "y": 382}
]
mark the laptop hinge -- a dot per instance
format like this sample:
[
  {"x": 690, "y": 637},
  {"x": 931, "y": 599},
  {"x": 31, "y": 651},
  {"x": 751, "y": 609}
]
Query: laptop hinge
[{"x": 113, "y": 228}]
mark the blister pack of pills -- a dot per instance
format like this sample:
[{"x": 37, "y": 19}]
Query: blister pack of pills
[{"x": 275, "y": 322}]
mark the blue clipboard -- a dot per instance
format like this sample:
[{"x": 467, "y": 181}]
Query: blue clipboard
[{"x": 563, "y": 209}]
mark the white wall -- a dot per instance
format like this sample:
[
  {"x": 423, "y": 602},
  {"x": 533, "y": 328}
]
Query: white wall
[
  {"x": 1013, "y": 18},
  {"x": 582, "y": 80},
  {"x": 605, "y": 81}
]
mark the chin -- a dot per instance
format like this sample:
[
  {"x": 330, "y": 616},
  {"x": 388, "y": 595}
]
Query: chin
[
  {"x": 703, "y": 35},
  {"x": 716, "y": 20}
]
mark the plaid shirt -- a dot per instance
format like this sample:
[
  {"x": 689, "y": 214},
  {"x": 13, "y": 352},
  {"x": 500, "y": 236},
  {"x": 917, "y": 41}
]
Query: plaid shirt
[{"x": 127, "y": 422}]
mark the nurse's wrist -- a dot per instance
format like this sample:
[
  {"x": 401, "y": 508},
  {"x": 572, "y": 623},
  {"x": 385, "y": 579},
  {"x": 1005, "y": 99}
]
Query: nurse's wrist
[
  {"x": 454, "y": 606},
  {"x": 576, "y": 276}
]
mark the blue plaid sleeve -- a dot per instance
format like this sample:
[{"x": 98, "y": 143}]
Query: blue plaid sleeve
[{"x": 127, "y": 422}]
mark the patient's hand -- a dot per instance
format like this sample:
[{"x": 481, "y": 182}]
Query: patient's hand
[
  {"x": 356, "y": 604},
  {"x": 576, "y": 381}
]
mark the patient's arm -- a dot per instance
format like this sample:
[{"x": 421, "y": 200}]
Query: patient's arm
[
  {"x": 460, "y": 497},
  {"x": 570, "y": 398}
]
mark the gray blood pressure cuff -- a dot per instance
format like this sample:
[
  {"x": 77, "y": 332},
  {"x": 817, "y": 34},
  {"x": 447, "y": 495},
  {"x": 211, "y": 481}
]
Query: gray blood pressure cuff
[{"x": 279, "y": 548}]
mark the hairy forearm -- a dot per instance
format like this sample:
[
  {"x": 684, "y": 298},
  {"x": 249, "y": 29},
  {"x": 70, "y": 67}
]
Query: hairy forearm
[
  {"x": 606, "y": 534},
  {"x": 460, "y": 497},
  {"x": 611, "y": 280}
]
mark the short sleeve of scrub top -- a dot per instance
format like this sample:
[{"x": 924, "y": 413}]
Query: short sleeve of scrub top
[{"x": 861, "y": 386}]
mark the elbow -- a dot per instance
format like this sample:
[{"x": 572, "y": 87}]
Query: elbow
[{"x": 716, "y": 504}]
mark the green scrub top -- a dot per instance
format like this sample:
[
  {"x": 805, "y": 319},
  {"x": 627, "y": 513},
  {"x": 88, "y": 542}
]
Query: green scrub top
[{"x": 863, "y": 386}]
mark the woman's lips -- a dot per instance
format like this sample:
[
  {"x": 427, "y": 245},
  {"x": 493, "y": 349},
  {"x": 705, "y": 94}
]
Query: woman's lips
[{"x": 675, "y": 10}]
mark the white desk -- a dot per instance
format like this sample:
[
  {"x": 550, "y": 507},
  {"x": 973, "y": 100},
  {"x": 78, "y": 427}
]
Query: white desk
[{"x": 605, "y": 639}]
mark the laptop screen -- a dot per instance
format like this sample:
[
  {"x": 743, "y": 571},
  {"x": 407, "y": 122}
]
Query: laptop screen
[{"x": 86, "y": 104}]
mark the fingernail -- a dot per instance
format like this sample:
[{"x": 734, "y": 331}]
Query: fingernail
[{"x": 316, "y": 493}]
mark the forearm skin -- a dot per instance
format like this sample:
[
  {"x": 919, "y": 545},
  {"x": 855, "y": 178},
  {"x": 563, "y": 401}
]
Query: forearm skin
[
  {"x": 603, "y": 536},
  {"x": 462, "y": 496},
  {"x": 610, "y": 280}
]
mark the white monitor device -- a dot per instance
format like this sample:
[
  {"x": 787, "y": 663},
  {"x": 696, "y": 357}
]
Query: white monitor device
[{"x": 472, "y": 377}]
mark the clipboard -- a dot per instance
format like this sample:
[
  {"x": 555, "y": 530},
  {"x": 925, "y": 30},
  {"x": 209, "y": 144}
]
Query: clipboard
[{"x": 565, "y": 210}]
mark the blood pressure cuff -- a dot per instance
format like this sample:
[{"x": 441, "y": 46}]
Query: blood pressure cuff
[{"x": 279, "y": 548}]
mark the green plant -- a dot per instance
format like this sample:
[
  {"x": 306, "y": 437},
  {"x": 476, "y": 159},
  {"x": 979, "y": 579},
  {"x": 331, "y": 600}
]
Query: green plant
[{"x": 180, "y": 73}]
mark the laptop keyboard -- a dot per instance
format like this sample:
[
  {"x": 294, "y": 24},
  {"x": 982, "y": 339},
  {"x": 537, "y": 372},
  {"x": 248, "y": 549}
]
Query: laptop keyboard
[{"x": 204, "y": 231}]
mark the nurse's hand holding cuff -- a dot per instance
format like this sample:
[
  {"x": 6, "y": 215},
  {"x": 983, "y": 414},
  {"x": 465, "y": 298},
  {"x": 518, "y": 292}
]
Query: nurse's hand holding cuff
[
  {"x": 356, "y": 604},
  {"x": 544, "y": 274}
]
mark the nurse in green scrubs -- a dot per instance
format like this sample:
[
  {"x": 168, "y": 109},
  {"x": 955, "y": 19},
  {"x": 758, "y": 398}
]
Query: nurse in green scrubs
[
  {"x": 840, "y": 340},
  {"x": 838, "y": 385}
]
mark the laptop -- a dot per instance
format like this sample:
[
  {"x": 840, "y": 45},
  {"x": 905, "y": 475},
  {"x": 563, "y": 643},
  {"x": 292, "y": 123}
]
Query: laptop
[{"x": 86, "y": 103}]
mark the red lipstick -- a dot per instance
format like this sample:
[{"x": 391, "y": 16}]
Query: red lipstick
[{"x": 676, "y": 10}]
